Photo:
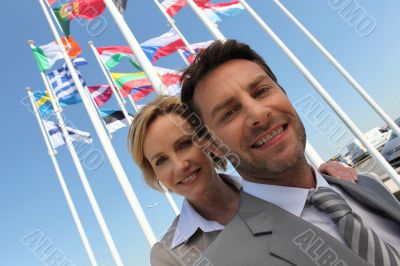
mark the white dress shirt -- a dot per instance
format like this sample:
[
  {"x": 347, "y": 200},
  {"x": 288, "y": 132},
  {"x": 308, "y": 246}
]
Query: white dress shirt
[{"x": 293, "y": 201}]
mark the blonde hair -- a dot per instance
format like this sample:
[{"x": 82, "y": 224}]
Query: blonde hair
[{"x": 161, "y": 106}]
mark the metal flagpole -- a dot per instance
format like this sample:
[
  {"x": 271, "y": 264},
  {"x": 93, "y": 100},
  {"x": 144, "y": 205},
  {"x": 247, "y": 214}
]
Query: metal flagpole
[
  {"x": 52, "y": 153},
  {"x": 325, "y": 95},
  {"x": 106, "y": 143},
  {"x": 340, "y": 68},
  {"x": 81, "y": 173},
  {"x": 313, "y": 156},
  {"x": 212, "y": 27},
  {"x": 114, "y": 89},
  {"x": 171, "y": 22},
  {"x": 136, "y": 48}
]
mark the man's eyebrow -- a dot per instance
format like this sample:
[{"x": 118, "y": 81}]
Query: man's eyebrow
[
  {"x": 221, "y": 106},
  {"x": 256, "y": 81}
]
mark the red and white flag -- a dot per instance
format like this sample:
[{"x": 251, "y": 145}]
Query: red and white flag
[{"x": 100, "y": 93}]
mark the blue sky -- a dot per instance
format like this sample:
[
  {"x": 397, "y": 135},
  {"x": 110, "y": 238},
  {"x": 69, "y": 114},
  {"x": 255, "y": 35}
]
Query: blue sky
[{"x": 30, "y": 195}]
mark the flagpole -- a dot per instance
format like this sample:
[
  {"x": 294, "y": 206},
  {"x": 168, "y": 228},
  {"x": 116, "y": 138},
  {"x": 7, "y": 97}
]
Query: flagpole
[
  {"x": 341, "y": 69},
  {"x": 113, "y": 86},
  {"x": 173, "y": 25},
  {"x": 325, "y": 95},
  {"x": 136, "y": 48},
  {"x": 71, "y": 148},
  {"x": 52, "y": 153},
  {"x": 116, "y": 92},
  {"x": 106, "y": 143},
  {"x": 212, "y": 27}
]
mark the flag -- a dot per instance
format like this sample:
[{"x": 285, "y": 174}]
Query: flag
[
  {"x": 197, "y": 47},
  {"x": 135, "y": 83},
  {"x": 114, "y": 119},
  {"x": 100, "y": 93},
  {"x": 71, "y": 46},
  {"x": 173, "y": 6},
  {"x": 120, "y": 4},
  {"x": 163, "y": 45},
  {"x": 86, "y": 9},
  {"x": 57, "y": 138},
  {"x": 63, "y": 21},
  {"x": 214, "y": 11},
  {"x": 171, "y": 79},
  {"x": 51, "y": 2},
  {"x": 63, "y": 85},
  {"x": 113, "y": 55},
  {"x": 46, "y": 55},
  {"x": 43, "y": 103}
]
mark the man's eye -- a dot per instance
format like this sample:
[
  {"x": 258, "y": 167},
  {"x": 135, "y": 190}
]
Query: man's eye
[
  {"x": 161, "y": 160},
  {"x": 261, "y": 92},
  {"x": 229, "y": 113}
]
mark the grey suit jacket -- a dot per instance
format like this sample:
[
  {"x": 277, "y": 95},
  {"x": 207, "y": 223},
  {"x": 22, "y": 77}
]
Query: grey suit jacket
[{"x": 264, "y": 234}]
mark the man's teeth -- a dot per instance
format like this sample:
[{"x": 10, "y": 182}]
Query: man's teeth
[
  {"x": 189, "y": 178},
  {"x": 268, "y": 137}
]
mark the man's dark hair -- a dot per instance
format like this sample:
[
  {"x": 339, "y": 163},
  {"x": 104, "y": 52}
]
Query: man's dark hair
[{"x": 215, "y": 55}]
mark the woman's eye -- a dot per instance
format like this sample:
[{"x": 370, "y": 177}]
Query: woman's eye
[
  {"x": 185, "y": 143},
  {"x": 161, "y": 160}
]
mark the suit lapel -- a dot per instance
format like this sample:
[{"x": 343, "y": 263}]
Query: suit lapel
[
  {"x": 292, "y": 239},
  {"x": 367, "y": 197}
]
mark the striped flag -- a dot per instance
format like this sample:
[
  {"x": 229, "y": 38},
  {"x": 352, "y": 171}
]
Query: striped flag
[
  {"x": 197, "y": 47},
  {"x": 100, "y": 93},
  {"x": 163, "y": 45},
  {"x": 113, "y": 55},
  {"x": 135, "y": 83},
  {"x": 63, "y": 85},
  {"x": 114, "y": 119},
  {"x": 214, "y": 11},
  {"x": 173, "y": 6},
  {"x": 56, "y": 137}
]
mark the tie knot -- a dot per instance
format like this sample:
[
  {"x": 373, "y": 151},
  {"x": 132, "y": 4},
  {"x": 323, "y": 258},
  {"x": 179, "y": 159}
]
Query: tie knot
[{"x": 330, "y": 202}]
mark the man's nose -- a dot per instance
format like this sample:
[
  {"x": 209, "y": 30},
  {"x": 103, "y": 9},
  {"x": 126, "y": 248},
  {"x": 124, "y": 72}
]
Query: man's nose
[{"x": 256, "y": 113}]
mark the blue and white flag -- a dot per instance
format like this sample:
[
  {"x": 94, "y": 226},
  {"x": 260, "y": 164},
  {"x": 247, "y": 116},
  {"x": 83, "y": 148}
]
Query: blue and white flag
[
  {"x": 56, "y": 137},
  {"x": 63, "y": 85}
]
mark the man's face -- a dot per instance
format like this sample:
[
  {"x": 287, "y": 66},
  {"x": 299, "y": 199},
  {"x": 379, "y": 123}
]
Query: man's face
[{"x": 252, "y": 115}]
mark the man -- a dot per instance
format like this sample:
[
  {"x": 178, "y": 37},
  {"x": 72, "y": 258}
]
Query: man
[{"x": 288, "y": 214}]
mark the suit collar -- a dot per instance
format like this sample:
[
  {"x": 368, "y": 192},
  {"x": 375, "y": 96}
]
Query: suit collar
[
  {"x": 366, "y": 196},
  {"x": 265, "y": 218}
]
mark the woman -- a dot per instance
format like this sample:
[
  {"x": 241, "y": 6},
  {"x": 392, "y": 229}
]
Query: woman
[{"x": 169, "y": 154}]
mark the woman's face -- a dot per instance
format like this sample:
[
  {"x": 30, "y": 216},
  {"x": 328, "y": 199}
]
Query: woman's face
[{"x": 176, "y": 160}]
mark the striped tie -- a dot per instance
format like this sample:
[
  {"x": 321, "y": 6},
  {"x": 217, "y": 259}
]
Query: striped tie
[{"x": 360, "y": 238}]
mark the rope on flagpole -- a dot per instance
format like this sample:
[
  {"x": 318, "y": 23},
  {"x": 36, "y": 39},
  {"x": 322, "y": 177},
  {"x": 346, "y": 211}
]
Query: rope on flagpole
[
  {"x": 325, "y": 95},
  {"x": 357, "y": 86},
  {"x": 52, "y": 153},
  {"x": 106, "y": 143}
]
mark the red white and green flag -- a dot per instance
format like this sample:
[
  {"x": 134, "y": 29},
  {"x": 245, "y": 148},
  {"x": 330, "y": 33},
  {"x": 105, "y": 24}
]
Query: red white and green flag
[
  {"x": 113, "y": 55},
  {"x": 135, "y": 83}
]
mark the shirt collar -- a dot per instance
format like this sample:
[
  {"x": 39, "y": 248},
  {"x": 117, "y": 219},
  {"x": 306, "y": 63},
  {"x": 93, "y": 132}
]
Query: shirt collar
[
  {"x": 291, "y": 199},
  {"x": 190, "y": 220}
]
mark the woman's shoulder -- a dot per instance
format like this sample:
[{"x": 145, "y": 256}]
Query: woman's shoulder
[{"x": 161, "y": 253}]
